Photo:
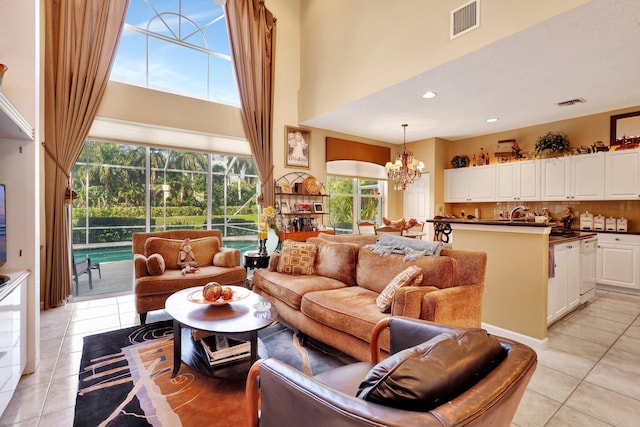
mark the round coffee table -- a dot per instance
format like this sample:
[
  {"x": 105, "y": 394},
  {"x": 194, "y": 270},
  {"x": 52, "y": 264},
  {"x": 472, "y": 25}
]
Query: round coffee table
[{"x": 237, "y": 319}]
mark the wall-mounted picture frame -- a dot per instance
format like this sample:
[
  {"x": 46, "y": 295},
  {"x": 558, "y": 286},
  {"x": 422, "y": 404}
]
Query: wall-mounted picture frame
[
  {"x": 285, "y": 188},
  {"x": 296, "y": 147},
  {"x": 318, "y": 207}
]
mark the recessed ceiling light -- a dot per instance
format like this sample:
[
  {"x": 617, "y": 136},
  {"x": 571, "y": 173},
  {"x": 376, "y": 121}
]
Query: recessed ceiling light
[
  {"x": 492, "y": 120},
  {"x": 429, "y": 95}
]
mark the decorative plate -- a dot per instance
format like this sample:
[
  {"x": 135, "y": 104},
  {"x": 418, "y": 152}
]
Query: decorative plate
[
  {"x": 311, "y": 185},
  {"x": 238, "y": 293}
]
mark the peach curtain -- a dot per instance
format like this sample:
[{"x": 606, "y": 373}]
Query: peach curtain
[
  {"x": 252, "y": 33},
  {"x": 80, "y": 45}
]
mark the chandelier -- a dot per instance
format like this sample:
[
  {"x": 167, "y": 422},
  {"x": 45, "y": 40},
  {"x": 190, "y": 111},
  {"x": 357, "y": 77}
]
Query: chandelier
[{"x": 405, "y": 170}]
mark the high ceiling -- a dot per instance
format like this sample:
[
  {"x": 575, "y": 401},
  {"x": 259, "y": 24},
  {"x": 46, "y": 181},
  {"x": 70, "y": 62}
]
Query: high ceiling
[{"x": 591, "y": 52}]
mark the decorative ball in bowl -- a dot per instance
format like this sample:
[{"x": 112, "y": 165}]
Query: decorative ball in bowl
[{"x": 215, "y": 294}]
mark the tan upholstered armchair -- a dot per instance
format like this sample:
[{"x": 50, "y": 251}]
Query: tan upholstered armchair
[
  {"x": 435, "y": 375},
  {"x": 156, "y": 273}
]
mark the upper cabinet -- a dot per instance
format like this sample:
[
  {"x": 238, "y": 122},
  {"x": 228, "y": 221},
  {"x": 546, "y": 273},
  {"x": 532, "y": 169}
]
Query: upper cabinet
[
  {"x": 475, "y": 184},
  {"x": 587, "y": 176},
  {"x": 573, "y": 177},
  {"x": 599, "y": 176},
  {"x": 517, "y": 181},
  {"x": 622, "y": 175},
  {"x": 12, "y": 124}
]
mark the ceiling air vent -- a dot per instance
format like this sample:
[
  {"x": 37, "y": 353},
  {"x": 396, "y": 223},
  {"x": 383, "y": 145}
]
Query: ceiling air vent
[
  {"x": 571, "y": 102},
  {"x": 465, "y": 18}
]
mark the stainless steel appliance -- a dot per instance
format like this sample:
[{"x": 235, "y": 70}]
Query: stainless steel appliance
[{"x": 588, "y": 249}]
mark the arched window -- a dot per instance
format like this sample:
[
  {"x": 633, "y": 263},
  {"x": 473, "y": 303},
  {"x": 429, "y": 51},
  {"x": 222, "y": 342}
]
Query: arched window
[{"x": 180, "y": 47}]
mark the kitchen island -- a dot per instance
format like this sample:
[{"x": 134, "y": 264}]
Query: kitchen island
[{"x": 515, "y": 300}]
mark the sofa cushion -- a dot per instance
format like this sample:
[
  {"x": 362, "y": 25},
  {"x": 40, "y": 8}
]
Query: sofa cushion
[
  {"x": 338, "y": 261},
  {"x": 289, "y": 288},
  {"x": 297, "y": 258},
  {"x": 411, "y": 275},
  {"x": 173, "y": 280},
  {"x": 352, "y": 309},
  {"x": 423, "y": 377},
  {"x": 155, "y": 264},
  {"x": 374, "y": 272},
  {"x": 203, "y": 250}
]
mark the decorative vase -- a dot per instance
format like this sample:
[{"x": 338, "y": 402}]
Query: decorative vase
[
  {"x": 3, "y": 68},
  {"x": 272, "y": 241}
]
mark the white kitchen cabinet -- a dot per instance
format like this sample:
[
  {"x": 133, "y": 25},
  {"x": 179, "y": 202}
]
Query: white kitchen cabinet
[
  {"x": 587, "y": 176},
  {"x": 579, "y": 177},
  {"x": 516, "y": 181},
  {"x": 564, "y": 288},
  {"x": 618, "y": 260},
  {"x": 622, "y": 175},
  {"x": 474, "y": 184},
  {"x": 555, "y": 178}
]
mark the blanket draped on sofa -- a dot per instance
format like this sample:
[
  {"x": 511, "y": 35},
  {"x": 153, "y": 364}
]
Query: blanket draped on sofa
[{"x": 412, "y": 249}]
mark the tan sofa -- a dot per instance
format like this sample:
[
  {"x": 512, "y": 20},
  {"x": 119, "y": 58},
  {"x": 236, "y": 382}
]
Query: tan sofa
[
  {"x": 337, "y": 304},
  {"x": 157, "y": 273}
]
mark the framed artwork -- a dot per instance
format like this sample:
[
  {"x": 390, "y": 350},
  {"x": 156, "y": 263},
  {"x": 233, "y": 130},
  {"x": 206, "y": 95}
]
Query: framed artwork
[
  {"x": 296, "y": 147},
  {"x": 318, "y": 207},
  {"x": 284, "y": 208},
  {"x": 286, "y": 188}
]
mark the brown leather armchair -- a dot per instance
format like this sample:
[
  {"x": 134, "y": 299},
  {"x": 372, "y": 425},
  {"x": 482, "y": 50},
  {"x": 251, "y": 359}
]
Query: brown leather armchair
[{"x": 279, "y": 395}]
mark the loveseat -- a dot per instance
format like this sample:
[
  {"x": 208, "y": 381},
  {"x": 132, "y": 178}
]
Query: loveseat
[
  {"x": 157, "y": 273},
  {"x": 337, "y": 301}
]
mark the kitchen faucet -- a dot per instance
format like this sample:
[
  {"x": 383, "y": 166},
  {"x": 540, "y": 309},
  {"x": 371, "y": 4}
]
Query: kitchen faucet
[{"x": 514, "y": 210}]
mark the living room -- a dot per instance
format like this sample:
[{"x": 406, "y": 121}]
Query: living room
[{"x": 310, "y": 81}]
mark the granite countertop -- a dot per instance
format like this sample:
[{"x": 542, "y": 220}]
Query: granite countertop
[{"x": 515, "y": 223}]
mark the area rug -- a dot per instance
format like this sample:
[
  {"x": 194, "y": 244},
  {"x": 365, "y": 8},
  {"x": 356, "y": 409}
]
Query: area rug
[{"x": 125, "y": 379}]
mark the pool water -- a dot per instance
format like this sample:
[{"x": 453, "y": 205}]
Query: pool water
[{"x": 124, "y": 253}]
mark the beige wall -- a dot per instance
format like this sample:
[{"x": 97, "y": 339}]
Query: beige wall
[
  {"x": 583, "y": 130},
  {"x": 347, "y": 46},
  {"x": 152, "y": 107},
  {"x": 515, "y": 294}
]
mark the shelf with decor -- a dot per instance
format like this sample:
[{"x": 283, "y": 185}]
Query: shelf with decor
[
  {"x": 12, "y": 124},
  {"x": 302, "y": 205}
]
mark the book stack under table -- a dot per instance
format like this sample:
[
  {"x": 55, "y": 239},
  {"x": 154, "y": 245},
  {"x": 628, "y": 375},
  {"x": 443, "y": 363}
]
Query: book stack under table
[{"x": 221, "y": 350}]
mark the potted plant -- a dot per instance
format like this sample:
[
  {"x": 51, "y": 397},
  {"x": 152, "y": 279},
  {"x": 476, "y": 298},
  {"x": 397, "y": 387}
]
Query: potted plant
[
  {"x": 552, "y": 144},
  {"x": 460, "y": 161}
]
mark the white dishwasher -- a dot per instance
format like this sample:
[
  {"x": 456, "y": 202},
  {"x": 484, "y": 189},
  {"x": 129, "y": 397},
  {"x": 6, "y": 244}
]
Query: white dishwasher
[{"x": 588, "y": 248}]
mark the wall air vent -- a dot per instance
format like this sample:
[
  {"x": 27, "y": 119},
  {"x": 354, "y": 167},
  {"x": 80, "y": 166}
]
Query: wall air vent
[
  {"x": 465, "y": 18},
  {"x": 571, "y": 102}
]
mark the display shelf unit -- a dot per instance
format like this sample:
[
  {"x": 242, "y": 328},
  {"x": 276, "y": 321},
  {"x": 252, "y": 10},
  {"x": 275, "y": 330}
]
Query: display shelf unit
[
  {"x": 12, "y": 124},
  {"x": 303, "y": 206}
]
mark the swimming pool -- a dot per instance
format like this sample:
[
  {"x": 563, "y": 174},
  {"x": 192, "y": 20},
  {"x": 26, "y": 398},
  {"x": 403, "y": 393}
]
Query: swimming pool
[{"x": 124, "y": 253}]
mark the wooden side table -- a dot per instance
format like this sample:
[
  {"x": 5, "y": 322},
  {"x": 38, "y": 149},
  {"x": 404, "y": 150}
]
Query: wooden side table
[{"x": 252, "y": 261}]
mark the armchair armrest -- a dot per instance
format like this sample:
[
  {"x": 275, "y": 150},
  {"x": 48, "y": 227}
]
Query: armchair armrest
[
  {"x": 140, "y": 266},
  {"x": 291, "y": 396}
]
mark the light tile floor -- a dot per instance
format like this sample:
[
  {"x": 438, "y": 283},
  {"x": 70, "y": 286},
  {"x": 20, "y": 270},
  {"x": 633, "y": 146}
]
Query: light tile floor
[{"x": 589, "y": 375}]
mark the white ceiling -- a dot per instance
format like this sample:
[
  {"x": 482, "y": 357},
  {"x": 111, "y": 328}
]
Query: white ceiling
[{"x": 591, "y": 52}]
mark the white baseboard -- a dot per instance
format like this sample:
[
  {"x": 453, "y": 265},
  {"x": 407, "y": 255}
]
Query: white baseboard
[{"x": 534, "y": 343}]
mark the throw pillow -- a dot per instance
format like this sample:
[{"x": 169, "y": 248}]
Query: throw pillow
[
  {"x": 430, "y": 374},
  {"x": 155, "y": 264},
  {"x": 337, "y": 261},
  {"x": 297, "y": 258},
  {"x": 411, "y": 275}
]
